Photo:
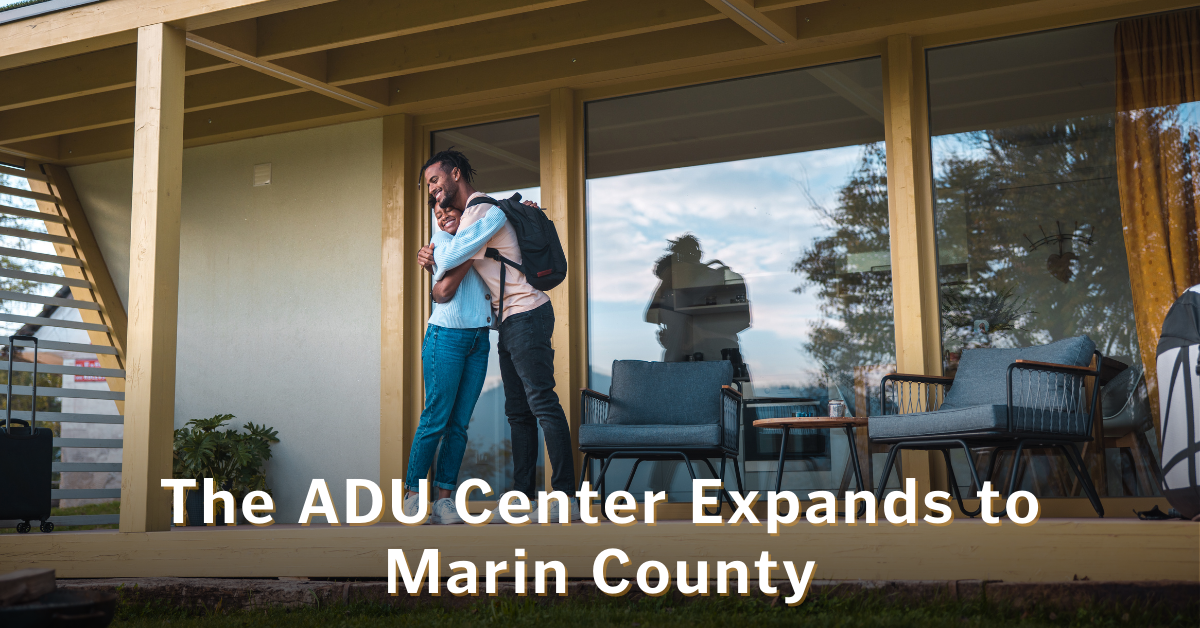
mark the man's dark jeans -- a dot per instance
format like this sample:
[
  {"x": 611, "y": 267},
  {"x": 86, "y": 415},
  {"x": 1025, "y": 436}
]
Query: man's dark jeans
[{"x": 527, "y": 368}]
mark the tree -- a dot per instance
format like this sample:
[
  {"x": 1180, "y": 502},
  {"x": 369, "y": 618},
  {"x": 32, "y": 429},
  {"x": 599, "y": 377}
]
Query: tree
[
  {"x": 18, "y": 264},
  {"x": 858, "y": 328},
  {"x": 1034, "y": 212}
]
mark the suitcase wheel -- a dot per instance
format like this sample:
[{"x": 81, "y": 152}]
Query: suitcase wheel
[
  {"x": 47, "y": 526},
  {"x": 23, "y": 527}
]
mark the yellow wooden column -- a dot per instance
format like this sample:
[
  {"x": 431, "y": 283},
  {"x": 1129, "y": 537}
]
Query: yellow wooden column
[
  {"x": 910, "y": 211},
  {"x": 563, "y": 196},
  {"x": 153, "y": 279},
  {"x": 402, "y": 296}
]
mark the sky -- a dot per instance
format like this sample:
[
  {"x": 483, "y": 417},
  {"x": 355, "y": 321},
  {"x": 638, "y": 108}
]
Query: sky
[
  {"x": 15, "y": 307},
  {"x": 752, "y": 215}
]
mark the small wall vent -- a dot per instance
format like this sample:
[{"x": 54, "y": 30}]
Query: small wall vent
[{"x": 262, "y": 174}]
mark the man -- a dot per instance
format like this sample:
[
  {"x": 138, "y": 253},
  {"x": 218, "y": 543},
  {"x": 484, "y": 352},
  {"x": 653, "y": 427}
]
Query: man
[{"x": 526, "y": 324}]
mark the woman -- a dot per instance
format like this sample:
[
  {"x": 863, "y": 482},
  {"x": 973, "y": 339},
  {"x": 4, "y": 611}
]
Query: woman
[{"x": 454, "y": 359}]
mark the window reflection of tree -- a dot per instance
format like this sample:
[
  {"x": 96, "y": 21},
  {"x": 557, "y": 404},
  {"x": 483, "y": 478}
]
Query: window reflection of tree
[
  {"x": 1005, "y": 184},
  {"x": 849, "y": 271}
]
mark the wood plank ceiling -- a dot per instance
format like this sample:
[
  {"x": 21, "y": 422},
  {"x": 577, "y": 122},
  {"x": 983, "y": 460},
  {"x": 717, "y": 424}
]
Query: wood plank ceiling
[{"x": 354, "y": 59}]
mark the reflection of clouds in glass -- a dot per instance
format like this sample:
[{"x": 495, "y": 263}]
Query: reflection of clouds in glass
[
  {"x": 728, "y": 206},
  {"x": 752, "y": 215}
]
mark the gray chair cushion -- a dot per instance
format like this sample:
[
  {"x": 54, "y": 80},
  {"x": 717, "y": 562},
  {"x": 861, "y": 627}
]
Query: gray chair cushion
[
  {"x": 667, "y": 393},
  {"x": 604, "y": 435},
  {"x": 982, "y": 373},
  {"x": 989, "y": 419}
]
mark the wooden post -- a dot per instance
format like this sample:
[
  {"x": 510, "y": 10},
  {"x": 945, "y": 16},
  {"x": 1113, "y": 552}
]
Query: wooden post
[
  {"x": 402, "y": 298},
  {"x": 153, "y": 279},
  {"x": 913, "y": 241},
  {"x": 563, "y": 194}
]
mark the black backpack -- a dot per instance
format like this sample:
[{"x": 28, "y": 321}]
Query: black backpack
[{"x": 542, "y": 257}]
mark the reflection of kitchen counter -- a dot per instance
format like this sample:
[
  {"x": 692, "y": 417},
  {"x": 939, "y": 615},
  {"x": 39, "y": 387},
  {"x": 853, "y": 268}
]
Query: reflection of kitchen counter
[{"x": 720, "y": 308}]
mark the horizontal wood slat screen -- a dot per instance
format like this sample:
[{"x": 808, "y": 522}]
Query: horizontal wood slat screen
[{"x": 76, "y": 295}]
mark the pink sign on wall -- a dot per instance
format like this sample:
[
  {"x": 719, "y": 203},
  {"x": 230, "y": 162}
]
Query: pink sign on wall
[{"x": 88, "y": 378}]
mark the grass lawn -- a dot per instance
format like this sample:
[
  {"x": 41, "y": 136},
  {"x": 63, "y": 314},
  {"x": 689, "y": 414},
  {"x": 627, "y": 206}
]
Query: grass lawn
[
  {"x": 107, "y": 508},
  {"x": 652, "y": 612}
]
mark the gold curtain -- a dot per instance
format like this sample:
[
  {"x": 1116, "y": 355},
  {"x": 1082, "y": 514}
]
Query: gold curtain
[{"x": 1158, "y": 167}]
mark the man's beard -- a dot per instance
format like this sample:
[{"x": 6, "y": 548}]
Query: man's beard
[{"x": 449, "y": 198}]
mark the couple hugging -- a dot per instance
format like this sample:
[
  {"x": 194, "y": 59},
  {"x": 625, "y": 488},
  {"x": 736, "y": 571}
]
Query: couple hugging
[{"x": 455, "y": 350}]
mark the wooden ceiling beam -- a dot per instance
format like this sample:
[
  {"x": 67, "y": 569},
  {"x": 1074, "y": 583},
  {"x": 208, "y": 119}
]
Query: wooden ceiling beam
[
  {"x": 306, "y": 110},
  {"x": 70, "y": 77},
  {"x": 301, "y": 110},
  {"x": 349, "y": 22},
  {"x": 772, "y": 5},
  {"x": 280, "y": 72},
  {"x": 114, "y": 23},
  {"x": 113, "y": 108},
  {"x": 619, "y": 66},
  {"x": 362, "y": 70},
  {"x": 45, "y": 149},
  {"x": 100, "y": 71},
  {"x": 232, "y": 87},
  {"x": 767, "y": 29},
  {"x": 552, "y": 68},
  {"x": 288, "y": 34},
  {"x": 77, "y": 114},
  {"x": 510, "y": 36}
]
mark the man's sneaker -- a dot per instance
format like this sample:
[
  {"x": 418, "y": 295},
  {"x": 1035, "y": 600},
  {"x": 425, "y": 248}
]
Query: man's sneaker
[
  {"x": 412, "y": 504},
  {"x": 533, "y": 515},
  {"x": 444, "y": 512}
]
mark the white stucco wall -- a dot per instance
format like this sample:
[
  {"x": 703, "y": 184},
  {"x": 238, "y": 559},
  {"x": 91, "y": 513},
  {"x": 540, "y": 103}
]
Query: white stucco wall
[{"x": 279, "y": 294}]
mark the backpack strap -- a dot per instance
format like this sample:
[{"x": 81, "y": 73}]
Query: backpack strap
[
  {"x": 504, "y": 264},
  {"x": 480, "y": 200}
]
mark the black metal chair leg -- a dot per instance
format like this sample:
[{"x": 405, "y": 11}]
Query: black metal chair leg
[
  {"x": 632, "y": 472},
  {"x": 995, "y": 453},
  {"x": 603, "y": 475},
  {"x": 782, "y": 457},
  {"x": 724, "y": 493},
  {"x": 954, "y": 490},
  {"x": 724, "y": 460},
  {"x": 737, "y": 474},
  {"x": 692, "y": 472},
  {"x": 887, "y": 470},
  {"x": 974, "y": 478},
  {"x": 583, "y": 474},
  {"x": 1016, "y": 469},
  {"x": 858, "y": 476},
  {"x": 1085, "y": 478}
]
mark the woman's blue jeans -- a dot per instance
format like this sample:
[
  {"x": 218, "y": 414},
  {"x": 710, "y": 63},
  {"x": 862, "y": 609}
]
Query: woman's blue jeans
[{"x": 454, "y": 362}]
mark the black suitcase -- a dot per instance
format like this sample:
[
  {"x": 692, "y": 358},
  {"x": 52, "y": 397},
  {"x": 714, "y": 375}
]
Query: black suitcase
[{"x": 26, "y": 453}]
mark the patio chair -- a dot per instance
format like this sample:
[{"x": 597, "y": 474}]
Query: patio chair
[
  {"x": 663, "y": 411},
  {"x": 1127, "y": 419},
  {"x": 1003, "y": 399}
]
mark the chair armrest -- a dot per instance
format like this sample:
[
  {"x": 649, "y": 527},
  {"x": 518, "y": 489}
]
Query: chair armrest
[
  {"x": 1053, "y": 397},
  {"x": 731, "y": 414},
  {"x": 912, "y": 393},
  {"x": 945, "y": 380},
  {"x": 593, "y": 407},
  {"x": 588, "y": 392},
  {"x": 1056, "y": 368},
  {"x": 749, "y": 401}
]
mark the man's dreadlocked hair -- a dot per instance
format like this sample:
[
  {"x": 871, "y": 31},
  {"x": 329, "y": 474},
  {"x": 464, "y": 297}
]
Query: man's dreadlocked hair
[{"x": 451, "y": 159}]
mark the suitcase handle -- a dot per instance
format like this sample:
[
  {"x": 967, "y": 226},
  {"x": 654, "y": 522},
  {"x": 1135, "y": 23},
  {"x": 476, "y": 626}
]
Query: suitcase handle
[{"x": 12, "y": 350}]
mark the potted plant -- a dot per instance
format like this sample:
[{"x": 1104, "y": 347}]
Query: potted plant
[
  {"x": 970, "y": 318},
  {"x": 233, "y": 459}
]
